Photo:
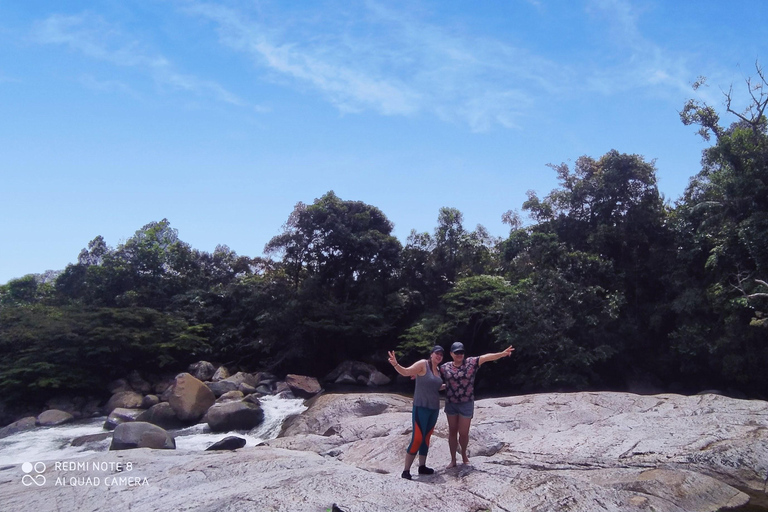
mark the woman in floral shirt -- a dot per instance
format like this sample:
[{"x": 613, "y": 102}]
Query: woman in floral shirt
[{"x": 459, "y": 377}]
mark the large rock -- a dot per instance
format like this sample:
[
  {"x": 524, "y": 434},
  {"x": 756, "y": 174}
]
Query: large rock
[
  {"x": 27, "y": 423},
  {"x": 190, "y": 398},
  {"x": 302, "y": 386},
  {"x": 221, "y": 373},
  {"x": 221, "y": 387},
  {"x": 139, "y": 434},
  {"x": 163, "y": 416},
  {"x": 242, "y": 378},
  {"x": 202, "y": 370},
  {"x": 124, "y": 400},
  {"x": 228, "y": 443},
  {"x": 53, "y": 417},
  {"x": 121, "y": 415},
  {"x": 234, "y": 416},
  {"x": 357, "y": 372},
  {"x": 138, "y": 383},
  {"x": 581, "y": 452}
]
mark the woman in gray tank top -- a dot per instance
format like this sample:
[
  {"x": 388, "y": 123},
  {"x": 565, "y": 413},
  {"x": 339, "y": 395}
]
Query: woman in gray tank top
[{"x": 426, "y": 406}]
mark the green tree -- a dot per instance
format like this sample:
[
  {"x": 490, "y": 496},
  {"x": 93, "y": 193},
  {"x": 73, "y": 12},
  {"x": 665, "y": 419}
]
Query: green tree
[
  {"x": 722, "y": 230},
  {"x": 342, "y": 259}
]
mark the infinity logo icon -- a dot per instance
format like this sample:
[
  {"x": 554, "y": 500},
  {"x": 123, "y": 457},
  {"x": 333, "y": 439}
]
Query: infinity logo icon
[{"x": 37, "y": 467}]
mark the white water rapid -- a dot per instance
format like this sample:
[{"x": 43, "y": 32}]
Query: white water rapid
[{"x": 54, "y": 443}]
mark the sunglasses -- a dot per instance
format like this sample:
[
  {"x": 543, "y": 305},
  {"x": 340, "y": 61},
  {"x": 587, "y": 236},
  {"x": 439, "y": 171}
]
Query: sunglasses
[{"x": 459, "y": 352}]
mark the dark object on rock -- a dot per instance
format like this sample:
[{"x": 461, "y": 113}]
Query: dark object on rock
[
  {"x": 139, "y": 434},
  {"x": 303, "y": 386},
  {"x": 424, "y": 470},
  {"x": 228, "y": 443},
  {"x": 335, "y": 508},
  {"x": 234, "y": 416}
]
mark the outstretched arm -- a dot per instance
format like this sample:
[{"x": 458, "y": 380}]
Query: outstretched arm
[
  {"x": 498, "y": 355},
  {"x": 417, "y": 368}
]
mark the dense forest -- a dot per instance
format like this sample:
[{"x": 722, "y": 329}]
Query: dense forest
[{"x": 608, "y": 286}]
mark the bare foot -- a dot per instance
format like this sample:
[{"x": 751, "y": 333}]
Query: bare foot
[
  {"x": 451, "y": 465},
  {"x": 464, "y": 460}
]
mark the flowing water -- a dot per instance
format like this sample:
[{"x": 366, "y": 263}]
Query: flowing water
[{"x": 54, "y": 443}]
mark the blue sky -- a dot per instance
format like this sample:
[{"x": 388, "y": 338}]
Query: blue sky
[{"x": 221, "y": 115}]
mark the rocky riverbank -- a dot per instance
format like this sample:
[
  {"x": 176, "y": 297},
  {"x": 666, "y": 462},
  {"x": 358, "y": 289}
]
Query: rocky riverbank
[{"x": 576, "y": 452}]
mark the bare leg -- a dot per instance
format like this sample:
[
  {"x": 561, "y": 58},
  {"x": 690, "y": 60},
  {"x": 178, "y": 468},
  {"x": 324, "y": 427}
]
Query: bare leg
[
  {"x": 409, "y": 461},
  {"x": 422, "y": 460},
  {"x": 463, "y": 429},
  {"x": 453, "y": 432}
]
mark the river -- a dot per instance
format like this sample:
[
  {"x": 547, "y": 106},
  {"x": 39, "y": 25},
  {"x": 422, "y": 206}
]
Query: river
[{"x": 54, "y": 443}]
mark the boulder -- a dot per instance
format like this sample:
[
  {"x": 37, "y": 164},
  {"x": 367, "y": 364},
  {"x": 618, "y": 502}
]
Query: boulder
[
  {"x": 230, "y": 396},
  {"x": 234, "y": 416},
  {"x": 221, "y": 387},
  {"x": 202, "y": 370},
  {"x": 121, "y": 415},
  {"x": 378, "y": 379},
  {"x": 357, "y": 372},
  {"x": 190, "y": 398},
  {"x": 252, "y": 398},
  {"x": 264, "y": 389},
  {"x": 149, "y": 400},
  {"x": 246, "y": 389},
  {"x": 118, "y": 386},
  {"x": 53, "y": 417},
  {"x": 576, "y": 452},
  {"x": 265, "y": 378},
  {"x": 124, "y": 400},
  {"x": 138, "y": 384},
  {"x": 94, "y": 439},
  {"x": 241, "y": 378},
  {"x": 163, "y": 416},
  {"x": 221, "y": 374},
  {"x": 228, "y": 443},
  {"x": 303, "y": 386},
  {"x": 162, "y": 385},
  {"x": 27, "y": 423},
  {"x": 139, "y": 434}
]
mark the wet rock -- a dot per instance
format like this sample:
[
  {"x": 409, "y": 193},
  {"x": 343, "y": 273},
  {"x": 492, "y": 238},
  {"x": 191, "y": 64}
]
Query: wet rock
[
  {"x": 53, "y": 417},
  {"x": 234, "y": 416},
  {"x": 228, "y": 443},
  {"x": 139, "y": 434},
  {"x": 303, "y": 386}
]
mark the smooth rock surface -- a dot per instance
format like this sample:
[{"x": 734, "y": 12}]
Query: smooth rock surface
[
  {"x": 190, "y": 398},
  {"x": 580, "y": 452},
  {"x": 53, "y": 417},
  {"x": 139, "y": 434}
]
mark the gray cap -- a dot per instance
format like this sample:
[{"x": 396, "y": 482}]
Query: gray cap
[
  {"x": 457, "y": 346},
  {"x": 437, "y": 348}
]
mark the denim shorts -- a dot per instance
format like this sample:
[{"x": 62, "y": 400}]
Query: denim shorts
[{"x": 464, "y": 409}]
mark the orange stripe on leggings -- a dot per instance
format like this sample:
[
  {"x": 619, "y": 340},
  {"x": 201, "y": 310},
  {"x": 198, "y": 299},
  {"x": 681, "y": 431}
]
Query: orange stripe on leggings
[{"x": 416, "y": 441}]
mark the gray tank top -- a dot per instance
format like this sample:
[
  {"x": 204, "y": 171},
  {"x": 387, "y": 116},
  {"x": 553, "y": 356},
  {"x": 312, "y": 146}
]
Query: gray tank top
[{"x": 427, "y": 393}]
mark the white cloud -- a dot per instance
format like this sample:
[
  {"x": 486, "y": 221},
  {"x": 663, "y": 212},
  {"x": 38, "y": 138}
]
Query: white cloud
[
  {"x": 94, "y": 37},
  {"x": 375, "y": 58}
]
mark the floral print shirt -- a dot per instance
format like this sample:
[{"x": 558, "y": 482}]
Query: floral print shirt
[{"x": 460, "y": 382}]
